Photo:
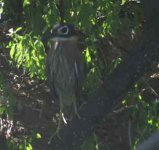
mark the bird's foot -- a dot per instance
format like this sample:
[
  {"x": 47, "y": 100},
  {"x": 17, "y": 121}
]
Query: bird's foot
[
  {"x": 56, "y": 133},
  {"x": 76, "y": 112}
]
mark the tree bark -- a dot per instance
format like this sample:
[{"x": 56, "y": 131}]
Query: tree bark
[
  {"x": 3, "y": 143},
  {"x": 115, "y": 86}
]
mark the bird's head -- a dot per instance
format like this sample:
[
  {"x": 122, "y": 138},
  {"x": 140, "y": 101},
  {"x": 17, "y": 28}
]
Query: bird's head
[{"x": 64, "y": 32}]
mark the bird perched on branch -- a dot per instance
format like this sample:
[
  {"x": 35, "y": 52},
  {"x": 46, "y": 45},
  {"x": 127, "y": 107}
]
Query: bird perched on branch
[{"x": 65, "y": 68}]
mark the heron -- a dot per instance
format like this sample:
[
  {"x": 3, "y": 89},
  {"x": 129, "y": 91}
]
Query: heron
[{"x": 65, "y": 69}]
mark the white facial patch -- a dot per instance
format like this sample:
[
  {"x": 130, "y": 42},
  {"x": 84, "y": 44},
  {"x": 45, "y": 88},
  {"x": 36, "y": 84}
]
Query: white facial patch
[{"x": 64, "y": 27}]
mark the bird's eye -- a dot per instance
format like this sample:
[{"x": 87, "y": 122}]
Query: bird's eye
[{"x": 64, "y": 30}]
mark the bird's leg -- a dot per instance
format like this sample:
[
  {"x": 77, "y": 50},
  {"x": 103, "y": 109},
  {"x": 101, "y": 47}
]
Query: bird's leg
[
  {"x": 56, "y": 133},
  {"x": 61, "y": 117},
  {"x": 75, "y": 109}
]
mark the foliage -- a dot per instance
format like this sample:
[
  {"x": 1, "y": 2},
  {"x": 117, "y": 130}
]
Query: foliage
[
  {"x": 7, "y": 102},
  {"x": 1, "y": 8},
  {"x": 25, "y": 143},
  {"x": 29, "y": 53},
  {"x": 7, "y": 107},
  {"x": 91, "y": 143},
  {"x": 93, "y": 76},
  {"x": 144, "y": 112},
  {"x": 95, "y": 19}
]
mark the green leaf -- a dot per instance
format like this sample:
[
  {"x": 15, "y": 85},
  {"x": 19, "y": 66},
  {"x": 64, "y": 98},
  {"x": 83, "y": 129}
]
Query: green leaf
[
  {"x": 29, "y": 147},
  {"x": 88, "y": 57},
  {"x": 90, "y": 143},
  {"x": 12, "y": 51},
  {"x": 18, "y": 29},
  {"x": 26, "y": 3},
  {"x": 123, "y": 2},
  {"x": 38, "y": 136},
  {"x": 140, "y": 97}
]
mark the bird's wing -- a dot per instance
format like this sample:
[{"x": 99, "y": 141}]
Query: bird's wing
[{"x": 78, "y": 68}]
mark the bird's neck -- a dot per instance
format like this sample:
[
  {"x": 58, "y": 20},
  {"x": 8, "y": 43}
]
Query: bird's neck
[{"x": 58, "y": 39}]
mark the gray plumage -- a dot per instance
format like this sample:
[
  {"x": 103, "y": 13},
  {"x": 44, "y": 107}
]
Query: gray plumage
[{"x": 65, "y": 71}]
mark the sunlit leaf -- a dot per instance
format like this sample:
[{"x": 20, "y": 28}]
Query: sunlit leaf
[
  {"x": 20, "y": 147},
  {"x": 12, "y": 51},
  {"x": 140, "y": 97},
  {"x": 18, "y": 29},
  {"x": 123, "y": 101},
  {"x": 29, "y": 147},
  {"x": 38, "y": 136},
  {"x": 88, "y": 57},
  {"x": 150, "y": 121},
  {"x": 136, "y": 85},
  {"x": 123, "y": 2}
]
